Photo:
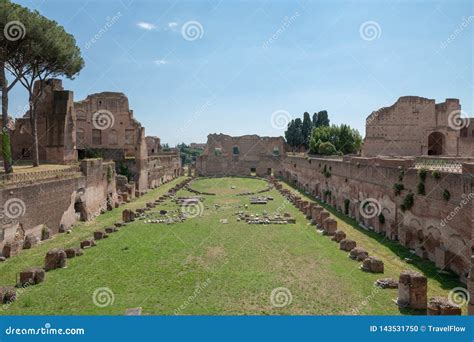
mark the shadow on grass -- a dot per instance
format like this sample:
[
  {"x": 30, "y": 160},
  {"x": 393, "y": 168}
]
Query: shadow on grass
[{"x": 447, "y": 280}]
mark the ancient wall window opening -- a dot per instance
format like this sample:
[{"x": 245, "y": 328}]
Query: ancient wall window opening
[
  {"x": 96, "y": 137},
  {"x": 129, "y": 136},
  {"x": 436, "y": 144},
  {"x": 235, "y": 150},
  {"x": 253, "y": 171},
  {"x": 276, "y": 151},
  {"x": 218, "y": 151},
  {"x": 112, "y": 136}
]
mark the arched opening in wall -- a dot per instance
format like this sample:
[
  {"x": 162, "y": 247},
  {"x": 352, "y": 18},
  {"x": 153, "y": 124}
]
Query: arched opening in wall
[
  {"x": 79, "y": 206},
  {"x": 436, "y": 143},
  {"x": 253, "y": 171},
  {"x": 270, "y": 171}
]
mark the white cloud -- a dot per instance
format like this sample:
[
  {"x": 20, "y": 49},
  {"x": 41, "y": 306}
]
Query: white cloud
[
  {"x": 146, "y": 26},
  {"x": 172, "y": 25},
  {"x": 160, "y": 62}
]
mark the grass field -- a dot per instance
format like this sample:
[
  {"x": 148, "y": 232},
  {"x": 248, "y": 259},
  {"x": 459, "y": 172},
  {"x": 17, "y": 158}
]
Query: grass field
[{"x": 203, "y": 266}]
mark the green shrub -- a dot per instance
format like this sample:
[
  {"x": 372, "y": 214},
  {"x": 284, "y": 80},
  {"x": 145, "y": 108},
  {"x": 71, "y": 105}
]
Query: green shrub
[
  {"x": 446, "y": 195},
  {"x": 401, "y": 175},
  {"x": 110, "y": 173},
  {"x": 398, "y": 188},
  {"x": 327, "y": 149},
  {"x": 421, "y": 188},
  {"x": 422, "y": 174},
  {"x": 408, "y": 202},
  {"x": 436, "y": 175}
]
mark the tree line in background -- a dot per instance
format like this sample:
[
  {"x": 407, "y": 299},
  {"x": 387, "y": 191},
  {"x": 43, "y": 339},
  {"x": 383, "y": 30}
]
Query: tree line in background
[
  {"x": 318, "y": 137},
  {"x": 32, "y": 48}
]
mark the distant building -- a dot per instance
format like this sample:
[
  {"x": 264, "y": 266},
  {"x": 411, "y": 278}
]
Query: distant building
[{"x": 415, "y": 126}]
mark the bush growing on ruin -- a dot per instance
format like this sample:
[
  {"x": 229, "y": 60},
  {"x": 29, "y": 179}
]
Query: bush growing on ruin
[
  {"x": 446, "y": 195},
  {"x": 421, "y": 188},
  {"x": 408, "y": 202},
  {"x": 436, "y": 174},
  {"x": 398, "y": 188},
  {"x": 422, "y": 174}
]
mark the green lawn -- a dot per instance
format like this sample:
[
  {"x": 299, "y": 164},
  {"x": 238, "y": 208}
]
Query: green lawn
[{"x": 202, "y": 266}]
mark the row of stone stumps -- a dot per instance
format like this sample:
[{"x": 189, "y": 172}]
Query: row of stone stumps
[
  {"x": 57, "y": 258},
  {"x": 412, "y": 286}
]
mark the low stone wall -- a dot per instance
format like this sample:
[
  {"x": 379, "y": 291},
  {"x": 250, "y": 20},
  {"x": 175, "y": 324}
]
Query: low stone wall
[
  {"x": 435, "y": 227},
  {"x": 27, "y": 209}
]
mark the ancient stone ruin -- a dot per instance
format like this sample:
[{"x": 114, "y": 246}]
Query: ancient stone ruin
[{"x": 412, "y": 290}]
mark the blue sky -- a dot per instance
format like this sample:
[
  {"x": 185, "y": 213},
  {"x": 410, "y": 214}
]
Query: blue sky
[{"x": 251, "y": 59}]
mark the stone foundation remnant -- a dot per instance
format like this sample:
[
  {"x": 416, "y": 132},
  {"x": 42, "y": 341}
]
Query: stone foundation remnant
[
  {"x": 7, "y": 294},
  {"x": 386, "y": 283},
  {"x": 347, "y": 245},
  {"x": 128, "y": 215},
  {"x": 339, "y": 235},
  {"x": 32, "y": 276},
  {"x": 442, "y": 306},
  {"x": 73, "y": 252},
  {"x": 55, "y": 258},
  {"x": 358, "y": 254},
  {"x": 412, "y": 290},
  {"x": 99, "y": 235},
  {"x": 88, "y": 243},
  {"x": 373, "y": 265},
  {"x": 329, "y": 226},
  {"x": 30, "y": 241}
]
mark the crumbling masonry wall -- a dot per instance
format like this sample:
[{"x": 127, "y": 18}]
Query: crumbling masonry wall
[
  {"x": 240, "y": 156},
  {"x": 434, "y": 228}
]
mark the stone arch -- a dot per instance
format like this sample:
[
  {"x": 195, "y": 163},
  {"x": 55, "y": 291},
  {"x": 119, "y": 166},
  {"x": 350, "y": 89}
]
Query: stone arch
[{"x": 436, "y": 144}]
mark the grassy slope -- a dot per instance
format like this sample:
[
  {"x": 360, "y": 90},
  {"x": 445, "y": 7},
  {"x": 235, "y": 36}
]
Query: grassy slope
[{"x": 206, "y": 267}]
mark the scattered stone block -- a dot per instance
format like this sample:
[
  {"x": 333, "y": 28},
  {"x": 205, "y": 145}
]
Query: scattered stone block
[
  {"x": 128, "y": 215},
  {"x": 30, "y": 241},
  {"x": 46, "y": 233},
  {"x": 373, "y": 265},
  {"x": 87, "y": 243},
  {"x": 2, "y": 259},
  {"x": 119, "y": 224},
  {"x": 62, "y": 228},
  {"x": 412, "y": 290},
  {"x": 329, "y": 226},
  {"x": 347, "y": 245},
  {"x": 358, "y": 253},
  {"x": 386, "y": 283},
  {"x": 32, "y": 276},
  {"x": 7, "y": 294},
  {"x": 339, "y": 235},
  {"x": 133, "y": 312},
  {"x": 440, "y": 306},
  {"x": 110, "y": 230},
  {"x": 99, "y": 235},
  {"x": 55, "y": 258},
  {"x": 73, "y": 252},
  {"x": 12, "y": 248}
]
